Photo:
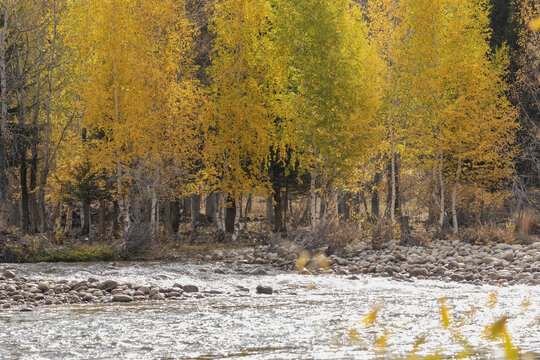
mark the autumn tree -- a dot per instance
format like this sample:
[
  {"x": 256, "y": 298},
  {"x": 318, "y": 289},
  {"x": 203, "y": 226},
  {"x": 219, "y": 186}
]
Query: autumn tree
[
  {"x": 239, "y": 117},
  {"x": 331, "y": 96},
  {"x": 461, "y": 113},
  {"x": 139, "y": 96}
]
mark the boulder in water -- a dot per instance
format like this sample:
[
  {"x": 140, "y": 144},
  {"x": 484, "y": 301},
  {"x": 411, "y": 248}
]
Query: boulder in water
[{"x": 261, "y": 289}]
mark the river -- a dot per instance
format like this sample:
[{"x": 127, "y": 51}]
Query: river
[{"x": 307, "y": 317}]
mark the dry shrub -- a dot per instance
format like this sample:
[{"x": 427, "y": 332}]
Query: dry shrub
[
  {"x": 137, "y": 238},
  {"x": 525, "y": 222},
  {"x": 330, "y": 232},
  {"x": 486, "y": 234},
  {"x": 476, "y": 205}
]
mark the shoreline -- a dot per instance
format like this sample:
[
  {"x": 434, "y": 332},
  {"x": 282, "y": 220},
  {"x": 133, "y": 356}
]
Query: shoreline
[{"x": 498, "y": 264}]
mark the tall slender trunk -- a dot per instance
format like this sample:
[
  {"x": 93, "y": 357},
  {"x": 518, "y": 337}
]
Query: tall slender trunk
[
  {"x": 278, "y": 210},
  {"x": 211, "y": 207},
  {"x": 69, "y": 222},
  {"x": 270, "y": 209},
  {"x": 247, "y": 211},
  {"x": 454, "y": 197},
  {"x": 32, "y": 201},
  {"x": 220, "y": 211},
  {"x": 313, "y": 199},
  {"x": 230, "y": 214},
  {"x": 195, "y": 209},
  {"x": 375, "y": 197},
  {"x": 86, "y": 217},
  {"x": 236, "y": 226},
  {"x": 441, "y": 202},
  {"x": 153, "y": 208},
  {"x": 393, "y": 177},
  {"x": 47, "y": 133},
  {"x": 25, "y": 223}
]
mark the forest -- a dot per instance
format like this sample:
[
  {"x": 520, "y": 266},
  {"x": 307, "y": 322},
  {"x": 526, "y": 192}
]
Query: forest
[
  {"x": 409, "y": 119},
  {"x": 270, "y": 179}
]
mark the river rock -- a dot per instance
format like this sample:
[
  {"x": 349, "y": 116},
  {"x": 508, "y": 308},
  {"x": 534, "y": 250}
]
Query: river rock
[
  {"x": 26, "y": 309},
  {"x": 122, "y": 298},
  {"x": 144, "y": 289},
  {"x": 508, "y": 256},
  {"x": 419, "y": 272},
  {"x": 190, "y": 288},
  {"x": 43, "y": 286},
  {"x": 8, "y": 274},
  {"x": 108, "y": 285},
  {"x": 259, "y": 271},
  {"x": 261, "y": 289}
]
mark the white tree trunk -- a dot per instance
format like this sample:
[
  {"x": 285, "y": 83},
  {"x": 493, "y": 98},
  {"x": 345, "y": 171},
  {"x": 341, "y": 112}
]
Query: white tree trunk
[
  {"x": 238, "y": 203},
  {"x": 441, "y": 181},
  {"x": 393, "y": 175},
  {"x": 454, "y": 198},
  {"x": 220, "y": 211},
  {"x": 153, "y": 212},
  {"x": 313, "y": 200}
]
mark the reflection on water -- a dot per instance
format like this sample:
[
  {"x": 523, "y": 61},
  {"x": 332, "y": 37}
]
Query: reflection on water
[{"x": 308, "y": 317}]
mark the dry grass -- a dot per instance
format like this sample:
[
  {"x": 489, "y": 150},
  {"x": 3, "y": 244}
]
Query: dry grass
[{"x": 485, "y": 234}]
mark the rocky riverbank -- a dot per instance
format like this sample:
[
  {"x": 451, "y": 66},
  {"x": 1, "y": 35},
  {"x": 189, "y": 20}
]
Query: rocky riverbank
[
  {"x": 497, "y": 264},
  {"x": 23, "y": 294},
  {"x": 440, "y": 260}
]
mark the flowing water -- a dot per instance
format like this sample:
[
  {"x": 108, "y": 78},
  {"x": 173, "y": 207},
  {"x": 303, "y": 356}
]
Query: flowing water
[{"x": 308, "y": 317}]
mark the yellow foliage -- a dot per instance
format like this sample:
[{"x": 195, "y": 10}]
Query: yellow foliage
[
  {"x": 370, "y": 319},
  {"x": 535, "y": 24},
  {"x": 493, "y": 298},
  {"x": 301, "y": 261}
]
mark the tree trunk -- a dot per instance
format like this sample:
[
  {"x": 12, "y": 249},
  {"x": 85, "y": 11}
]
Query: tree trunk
[
  {"x": 220, "y": 211},
  {"x": 375, "y": 197},
  {"x": 454, "y": 198},
  {"x": 25, "y": 220},
  {"x": 344, "y": 206},
  {"x": 195, "y": 210},
  {"x": 441, "y": 202},
  {"x": 32, "y": 203},
  {"x": 278, "y": 210},
  {"x": 236, "y": 224},
  {"x": 230, "y": 215},
  {"x": 211, "y": 207},
  {"x": 153, "y": 208},
  {"x": 247, "y": 211},
  {"x": 69, "y": 222},
  {"x": 270, "y": 210},
  {"x": 313, "y": 200},
  {"x": 4, "y": 113},
  {"x": 86, "y": 218},
  {"x": 167, "y": 219},
  {"x": 57, "y": 221},
  {"x": 392, "y": 178}
]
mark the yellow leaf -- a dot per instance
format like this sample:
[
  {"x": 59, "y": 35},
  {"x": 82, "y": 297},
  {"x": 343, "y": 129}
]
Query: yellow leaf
[
  {"x": 535, "y": 24},
  {"x": 301, "y": 261}
]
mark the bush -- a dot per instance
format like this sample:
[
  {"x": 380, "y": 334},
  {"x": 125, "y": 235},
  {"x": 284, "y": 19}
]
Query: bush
[
  {"x": 330, "y": 233},
  {"x": 485, "y": 234},
  {"x": 138, "y": 238}
]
